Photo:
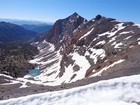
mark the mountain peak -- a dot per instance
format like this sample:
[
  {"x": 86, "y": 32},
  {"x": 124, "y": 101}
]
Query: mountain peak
[
  {"x": 74, "y": 15},
  {"x": 98, "y": 17}
]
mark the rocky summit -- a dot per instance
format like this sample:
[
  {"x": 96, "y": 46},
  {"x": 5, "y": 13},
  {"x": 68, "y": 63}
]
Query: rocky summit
[
  {"x": 76, "y": 49},
  {"x": 77, "y": 52}
]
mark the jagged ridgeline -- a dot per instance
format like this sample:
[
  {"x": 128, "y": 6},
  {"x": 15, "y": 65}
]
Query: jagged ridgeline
[
  {"x": 14, "y": 58},
  {"x": 76, "y": 49}
]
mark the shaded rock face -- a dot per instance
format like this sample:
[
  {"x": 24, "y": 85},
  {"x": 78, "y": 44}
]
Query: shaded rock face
[
  {"x": 63, "y": 29},
  {"x": 83, "y": 49},
  {"x": 98, "y": 17}
]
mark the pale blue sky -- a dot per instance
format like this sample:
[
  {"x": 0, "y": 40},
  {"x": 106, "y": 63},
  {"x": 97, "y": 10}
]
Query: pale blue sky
[{"x": 52, "y": 10}]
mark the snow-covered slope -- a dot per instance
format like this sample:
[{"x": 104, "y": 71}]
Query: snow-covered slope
[
  {"x": 49, "y": 62},
  {"x": 119, "y": 91},
  {"x": 94, "y": 48}
]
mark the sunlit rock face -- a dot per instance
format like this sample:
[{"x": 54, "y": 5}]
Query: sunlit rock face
[{"x": 76, "y": 49}]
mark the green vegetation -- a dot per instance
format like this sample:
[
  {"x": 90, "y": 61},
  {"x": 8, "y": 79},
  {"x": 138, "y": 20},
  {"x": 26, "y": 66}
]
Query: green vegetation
[{"x": 14, "y": 58}]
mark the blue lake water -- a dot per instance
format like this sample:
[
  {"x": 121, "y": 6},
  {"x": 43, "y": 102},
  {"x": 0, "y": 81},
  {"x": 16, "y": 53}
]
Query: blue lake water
[{"x": 34, "y": 72}]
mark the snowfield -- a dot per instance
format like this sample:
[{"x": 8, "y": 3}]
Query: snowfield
[{"x": 119, "y": 91}]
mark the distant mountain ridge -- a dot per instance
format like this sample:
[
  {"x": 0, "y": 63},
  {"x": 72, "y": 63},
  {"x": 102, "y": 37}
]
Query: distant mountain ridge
[
  {"x": 22, "y": 22},
  {"x": 40, "y": 28},
  {"x": 14, "y": 33}
]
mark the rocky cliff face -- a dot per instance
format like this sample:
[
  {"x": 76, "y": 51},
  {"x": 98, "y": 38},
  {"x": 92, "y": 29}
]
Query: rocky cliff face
[
  {"x": 76, "y": 49},
  {"x": 104, "y": 45},
  {"x": 62, "y": 31}
]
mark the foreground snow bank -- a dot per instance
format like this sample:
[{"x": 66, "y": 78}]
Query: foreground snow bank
[{"x": 119, "y": 91}]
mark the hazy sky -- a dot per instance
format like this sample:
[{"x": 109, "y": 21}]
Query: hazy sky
[{"x": 51, "y": 10}]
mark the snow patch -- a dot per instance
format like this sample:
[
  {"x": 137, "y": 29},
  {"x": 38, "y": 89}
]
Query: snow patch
[
  {"x": 107, "y": 67},
  {"x": 114, "y": 43},
  {"x": 69, "y": 72},
  {"x": 138, "y": 25},
  {"x": 83, "y": 63},
  {"x": 38, "y": 59},
  {"x": 138, "y": 43},
  {"x": 131, "y": 46},
  {"x": 95, "y": 54},
  {"x": 118, "y": 91},
  {"x": 86, "y": 34},
  {"x": 138, "y": 39},
  {"x": 6, "y": 76},
  {"x": 112, "y": 32},
  {"x": 103, "y": 34},
  {"x": 24, "y": 85},
  {"x": 101, "y": 43},
  {"x": 48, "y": 56},
  {"x": 75, "y": 30},
  {"x": 112, "y": 39},
  {"x": 119, "y": 27},
  {"x": 118, "y": 45},
  {"x": 49, "y": 69},
  {"x": 127, "y": 38},
  {"x": 126, "y": 32}
]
